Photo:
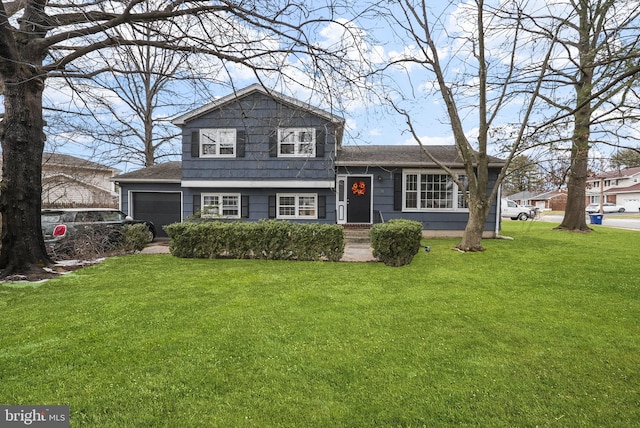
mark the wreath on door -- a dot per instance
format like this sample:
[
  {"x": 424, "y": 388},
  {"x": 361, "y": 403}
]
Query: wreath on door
[{"x": 359, "y": 188}]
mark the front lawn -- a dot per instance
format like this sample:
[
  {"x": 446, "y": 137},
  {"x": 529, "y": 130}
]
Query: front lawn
[{"x": 540, "y": 331}]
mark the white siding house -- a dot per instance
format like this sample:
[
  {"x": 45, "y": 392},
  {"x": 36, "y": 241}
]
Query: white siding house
[
  {"x": 69, "y": 181},
  {"x": 621, "y": 187}
]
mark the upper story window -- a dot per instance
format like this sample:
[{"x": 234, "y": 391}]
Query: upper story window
[
  {"x": 296, "y": 142},
  {"x": 424, "y": 191},
  {"x": 217, "y": 143}
]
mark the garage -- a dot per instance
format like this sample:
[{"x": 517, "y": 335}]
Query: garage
[{"x": 161, "y": 208}]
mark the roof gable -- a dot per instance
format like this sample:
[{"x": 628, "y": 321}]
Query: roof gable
[{"x": 237, "y": 95}]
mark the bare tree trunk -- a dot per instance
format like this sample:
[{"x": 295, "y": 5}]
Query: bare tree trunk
[
  {"x": 574, "y": 217},
  {"x": 472, "y": 237},
  {"x": 23, "y": 248}
]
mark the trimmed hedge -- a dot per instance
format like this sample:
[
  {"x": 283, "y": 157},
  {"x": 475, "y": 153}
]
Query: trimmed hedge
[
  {"x": 396, "y": 242},
  {"x": 273, "y": 240}
]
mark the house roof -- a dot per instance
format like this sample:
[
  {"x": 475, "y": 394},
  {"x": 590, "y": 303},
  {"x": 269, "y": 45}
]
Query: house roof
[
  {"x": 628, "y": 172},
  {"x": 630, "y": 189},
  {"x": 166, "y": 172},
  {"x": 549, "y": 195},
  {"x": 522, "y": 196},
  {"x": 285, "y": 99},
  {"x": 403, "y": 156},
  {"x": 59, "y": 159},
  {"x": 69, "y": 161}
]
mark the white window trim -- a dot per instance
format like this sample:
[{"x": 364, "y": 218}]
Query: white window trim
[
  {"x": 220, "y": 196},
  {"x": 297, "y": 197},
  {"x": 296, "y": 148},
  {"x": 455, "y": 207},
  {"x": 217, "y": 132}
]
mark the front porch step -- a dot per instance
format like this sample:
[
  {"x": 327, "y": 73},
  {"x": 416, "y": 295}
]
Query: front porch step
[{"x": 356, "y": 234}]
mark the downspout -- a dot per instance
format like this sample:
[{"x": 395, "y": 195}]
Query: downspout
[
  {"x": 498, "y": 211},
  {"x": 499, "y": 217}
]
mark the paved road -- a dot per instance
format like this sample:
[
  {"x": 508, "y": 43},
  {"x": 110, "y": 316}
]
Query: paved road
[{"x": 611, "y": 220}]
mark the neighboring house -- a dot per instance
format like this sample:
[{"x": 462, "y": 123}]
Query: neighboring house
[
  {"x": 258, "y": 154},
  {"x": 69, "y": 181},
  {"x": 621, "y": 187},
  {"x": 522, "y": 198},
  {"x": 556, "y": 200}
]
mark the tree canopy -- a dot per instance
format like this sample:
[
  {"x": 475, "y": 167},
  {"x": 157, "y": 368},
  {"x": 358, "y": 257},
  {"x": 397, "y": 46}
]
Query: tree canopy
[{"x": 43, "y": 40}]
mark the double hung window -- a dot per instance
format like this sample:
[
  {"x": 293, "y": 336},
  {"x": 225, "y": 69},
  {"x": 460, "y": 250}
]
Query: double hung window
[
  {"x": 220, "y": 205},
  {"x": 217, "y": 143},
  {"x": 294, "y": 206},
  {"x": 296, "y": 142}
]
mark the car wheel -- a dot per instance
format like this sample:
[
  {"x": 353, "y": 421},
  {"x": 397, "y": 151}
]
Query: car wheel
[
  {"x": 621, "y": 210},
  {"x": 523, "y": 217},
  {"x": 151, "y": 236}
]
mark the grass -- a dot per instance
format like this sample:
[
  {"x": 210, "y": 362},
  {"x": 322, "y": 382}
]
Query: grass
[{"x": 540, "y": 331}]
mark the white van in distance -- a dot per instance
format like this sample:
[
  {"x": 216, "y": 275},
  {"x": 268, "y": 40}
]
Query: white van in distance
[{"x": 509, "y": 208}]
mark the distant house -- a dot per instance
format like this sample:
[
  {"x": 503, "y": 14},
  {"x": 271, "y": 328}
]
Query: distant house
[
  {"x": 69, "y": 181},
  {"x": 556, "y": 200},
  {"x": 522, "y": 198},
  {"x": 258, "y": 154},
  {"x": 621, "y": 187}
]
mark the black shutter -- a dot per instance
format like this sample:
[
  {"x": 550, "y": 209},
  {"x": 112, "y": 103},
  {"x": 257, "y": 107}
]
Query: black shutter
[
  {"x": 272, "y": 206},
  {"x": 322, "y": 207},
  {"x": 321, "y": 140},
  {"x": 273, "y": 145},
  {"x": 196, "y": 203},
  {"x": 244, "y": 210},
  {"x": 397, "y": 192},
  {"x": 241, "y": 140},
  {"x": 195, "y": 144}
]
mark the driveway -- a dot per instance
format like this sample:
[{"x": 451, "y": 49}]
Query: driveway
[{"x": 623, "y": 221}]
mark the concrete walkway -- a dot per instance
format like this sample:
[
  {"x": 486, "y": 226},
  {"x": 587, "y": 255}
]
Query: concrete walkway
[{"x": 353, "y": 251}]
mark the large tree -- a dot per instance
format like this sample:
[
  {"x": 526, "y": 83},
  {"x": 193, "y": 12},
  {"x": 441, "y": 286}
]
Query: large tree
[
  {"x": 470, "y": 56},
  {"x": 592, "y": 91},
  {"x": 126, "y": 110},
  {"x": 569, "y": 65},
  {"x": 41, "y": 39}
]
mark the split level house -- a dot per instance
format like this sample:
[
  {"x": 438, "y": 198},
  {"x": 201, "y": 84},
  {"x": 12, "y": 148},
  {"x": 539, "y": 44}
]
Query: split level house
[{"x": 258, "y": 154}]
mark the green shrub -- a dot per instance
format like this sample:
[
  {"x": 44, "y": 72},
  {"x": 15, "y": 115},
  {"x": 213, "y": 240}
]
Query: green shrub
[
  {"x": 272, "y": 240},
  {"x": 134, "y": 237},
  {"x": 396, "y": 242}
]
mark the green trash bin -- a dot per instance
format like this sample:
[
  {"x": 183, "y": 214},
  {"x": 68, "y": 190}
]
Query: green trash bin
[{"x": 596, "y": 218}]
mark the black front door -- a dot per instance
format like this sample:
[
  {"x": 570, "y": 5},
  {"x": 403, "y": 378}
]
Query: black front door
[{"x": 358, "y": 199}]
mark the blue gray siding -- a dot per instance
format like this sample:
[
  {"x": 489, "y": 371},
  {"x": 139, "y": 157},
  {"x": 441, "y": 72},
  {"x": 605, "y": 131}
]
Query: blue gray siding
[
  {"x": 258, "y": 202},
  {"x": 383, "y": 202},
  {"x": 258, "y": 117}
]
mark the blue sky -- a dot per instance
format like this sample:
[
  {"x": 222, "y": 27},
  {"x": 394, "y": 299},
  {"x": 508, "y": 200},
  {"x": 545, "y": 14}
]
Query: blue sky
[{"x": 369, "y": 121}]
